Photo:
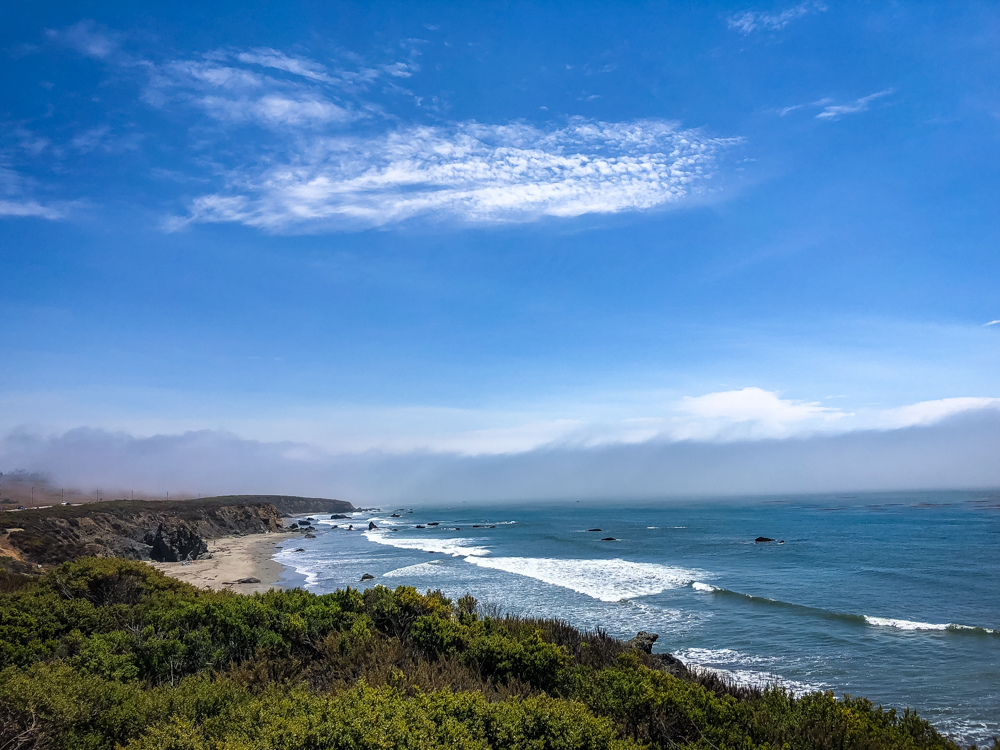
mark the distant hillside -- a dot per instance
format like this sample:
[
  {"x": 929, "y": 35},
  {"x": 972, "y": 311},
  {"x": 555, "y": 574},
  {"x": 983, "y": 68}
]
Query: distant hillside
[
  {"x": 288, "y": 505},
  {"x": 143, "y": 530}
]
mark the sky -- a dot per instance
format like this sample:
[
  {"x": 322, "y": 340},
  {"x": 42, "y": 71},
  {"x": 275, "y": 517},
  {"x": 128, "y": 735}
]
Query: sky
[{"x": 413, "y": 249}]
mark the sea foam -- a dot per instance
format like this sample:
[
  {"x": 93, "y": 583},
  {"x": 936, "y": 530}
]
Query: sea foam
[
  {"x": 605, "y": 580},
  {"x": 454, "y": 547},
  {"x": 888, "y": 622}
]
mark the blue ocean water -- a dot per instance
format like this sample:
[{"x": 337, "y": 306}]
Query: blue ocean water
[{"x": 895, "y": 597}]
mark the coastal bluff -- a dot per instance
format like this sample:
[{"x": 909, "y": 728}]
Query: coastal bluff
[{"x": 148, "y": 530}]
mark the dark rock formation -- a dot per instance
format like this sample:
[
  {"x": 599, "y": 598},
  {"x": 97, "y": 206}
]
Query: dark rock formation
[
  {"x": 609, "y": 539},
  {"x": 593, "y": 529},
  {"x": 760, "y": 539},
  {"x": 372, "y": 526},
  {"x": 128, "y": 529},
  {"x": 435, "y": 523},
  {"x": 672, "y": 665},
  {"x": 173, "y": 541},
  {"x": 643, "y": 641},
  {"x": 310, "y": 536},
  {"x": 338, "y": 517},
  {"x": 367, "y": 577},
  {"x": 395, "y": 515},
  {"x": 421, "y": 527},
  {"x": 300, "y": 549}
]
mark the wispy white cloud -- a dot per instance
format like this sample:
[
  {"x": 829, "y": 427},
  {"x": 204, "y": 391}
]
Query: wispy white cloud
[
  {"x": 300, "y": 66},
  {"x": 991, "y": 323},
  {"x": 749, "y": 21},
  {"x": 86, "y": 38},
  {"x": 470, "y": 172},
  {"x": 29, "y": 209},
  {"x": 834, "y": 111},
  {"x": 17, "y": 201}
]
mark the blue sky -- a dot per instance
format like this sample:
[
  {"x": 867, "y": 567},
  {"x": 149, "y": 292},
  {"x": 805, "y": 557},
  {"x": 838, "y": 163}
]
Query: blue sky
[{"x": 488, "y": 228}]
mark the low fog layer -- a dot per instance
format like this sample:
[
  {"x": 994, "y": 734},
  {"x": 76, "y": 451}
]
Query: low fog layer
[{"x": 959, "y": 452}]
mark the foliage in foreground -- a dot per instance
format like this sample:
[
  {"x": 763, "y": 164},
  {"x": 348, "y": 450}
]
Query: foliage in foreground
[{"x": 112, "y": 654}]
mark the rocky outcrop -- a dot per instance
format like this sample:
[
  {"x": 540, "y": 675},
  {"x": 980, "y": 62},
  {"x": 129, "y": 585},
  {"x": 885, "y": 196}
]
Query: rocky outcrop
[
  {"x": 762, "y": 539},
  {"x": 175, "y": 541},
  {"x": 643, "y": 641},
  {"x": 669, "y": 663},
  {"x": 136, "y": 530}
]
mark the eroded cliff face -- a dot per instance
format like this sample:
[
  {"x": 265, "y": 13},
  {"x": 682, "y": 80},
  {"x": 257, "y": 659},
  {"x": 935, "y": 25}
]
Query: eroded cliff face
[{"x": 138, "y": 531}]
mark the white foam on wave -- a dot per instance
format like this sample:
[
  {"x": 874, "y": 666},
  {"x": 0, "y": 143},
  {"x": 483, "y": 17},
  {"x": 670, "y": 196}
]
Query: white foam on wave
[
  {"x": 753, "y": 678},
  {"x": 453, "y": 547},
  {"x": 420, "y": 569},
  {"x": 707, "y": 587},
  {"x": 888, "y": 622},
  {"x": 725, "y": 656},
  {"x": 605, "y": 580}
]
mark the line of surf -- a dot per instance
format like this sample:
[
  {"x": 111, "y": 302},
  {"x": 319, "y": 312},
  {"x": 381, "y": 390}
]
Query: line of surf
[{"x": 869, "y": 620}]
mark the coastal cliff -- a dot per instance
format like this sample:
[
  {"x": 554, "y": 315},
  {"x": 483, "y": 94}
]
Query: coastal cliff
[{"x": 142, "y": 530}]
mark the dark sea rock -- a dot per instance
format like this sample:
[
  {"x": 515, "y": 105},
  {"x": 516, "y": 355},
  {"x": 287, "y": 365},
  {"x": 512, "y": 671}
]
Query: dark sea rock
[
  {"x": 421, "y": 527},
  {"x": 310, "y": 536},
  {"x": 338, "y": 517},
  {"x": 609, "y": 539},
  {"x": 174, "y": 540},
  {"x": 395, "y": 515},
  {"x": 300, "y": 549},
  {"x": 593, "y": 529},
  {"x": 372, "y": 526},
  {"x": 367, "y": 577},
  {"x": 643, "y": 641},
  {"x": 761, "y": 539},
  {"x": 435, "y": 523}
]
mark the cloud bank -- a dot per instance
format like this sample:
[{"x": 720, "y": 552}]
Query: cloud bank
[{"x": 956, "y": 452}]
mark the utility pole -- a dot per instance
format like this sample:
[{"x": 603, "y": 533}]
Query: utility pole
[
  {"x": 133, "y": 494},
  {"x": 32, "y": 497}
]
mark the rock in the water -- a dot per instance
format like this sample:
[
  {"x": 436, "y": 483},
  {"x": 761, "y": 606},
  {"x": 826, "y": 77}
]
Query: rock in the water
[
  {"x": 421, "y": 527},
  {"x": 435, "y": 523},
  {"x": 609, "y": 539},
  {"x": 372, "y": 526},
  {"x": 395, "y": 515},
  {"x": 174, "y": 540},
  {"x": 643, "y": 641},
  {"x": 310, "y": 536},
  {"x": 593, "y": 529},
  {"x": 760, "y": 539},
  {"x": 367, "y": 577},
  {"x": 248, "y": 580},
  {"x": 300, "y": 549},
  {"x": 338, "y": 516}
]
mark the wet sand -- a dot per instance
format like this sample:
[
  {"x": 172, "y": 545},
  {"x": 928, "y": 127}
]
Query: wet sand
[{"x": 233, "y": 558}]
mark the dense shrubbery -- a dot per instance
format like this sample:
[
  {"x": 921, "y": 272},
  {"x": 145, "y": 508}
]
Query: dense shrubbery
[{"x": 108, "y": 653}]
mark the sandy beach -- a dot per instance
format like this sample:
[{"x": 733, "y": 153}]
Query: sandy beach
[{"x": 233, "y": 558}]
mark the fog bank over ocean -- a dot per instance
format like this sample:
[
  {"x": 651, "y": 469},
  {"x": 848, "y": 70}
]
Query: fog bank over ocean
[{"x": 957, "y": 452}]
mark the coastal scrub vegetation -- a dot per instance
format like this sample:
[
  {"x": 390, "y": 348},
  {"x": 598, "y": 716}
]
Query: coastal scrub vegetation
[{"x": 106, "y": 653}]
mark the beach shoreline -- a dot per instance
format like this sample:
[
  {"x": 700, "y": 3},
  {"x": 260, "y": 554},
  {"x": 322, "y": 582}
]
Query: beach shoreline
[{"x": 233, "y": 558}]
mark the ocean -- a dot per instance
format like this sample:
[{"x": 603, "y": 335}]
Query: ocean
[{"x": 892, "y": 596}]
